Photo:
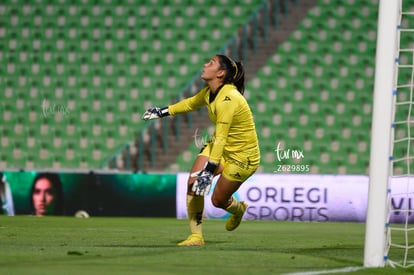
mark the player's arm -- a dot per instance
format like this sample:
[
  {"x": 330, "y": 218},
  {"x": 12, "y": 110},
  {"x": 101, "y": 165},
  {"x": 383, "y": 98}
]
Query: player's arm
[
  {"x": 189, "y": 104},
  {"x": 183, "y": 106},
  {"x": 225, "y": 111}
]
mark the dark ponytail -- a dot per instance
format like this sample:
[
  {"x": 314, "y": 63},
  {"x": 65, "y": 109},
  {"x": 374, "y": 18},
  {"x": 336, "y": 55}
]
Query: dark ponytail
[
  {"x": 239, "y": 78},
  {"x": 234, "y": 72}
]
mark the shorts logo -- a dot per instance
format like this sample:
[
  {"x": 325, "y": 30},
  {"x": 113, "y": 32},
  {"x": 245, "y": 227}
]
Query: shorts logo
[{"x": 236, "y": 175}]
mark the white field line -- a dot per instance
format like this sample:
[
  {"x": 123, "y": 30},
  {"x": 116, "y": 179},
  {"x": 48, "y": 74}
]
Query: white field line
[{"x": 331, "y": 271}]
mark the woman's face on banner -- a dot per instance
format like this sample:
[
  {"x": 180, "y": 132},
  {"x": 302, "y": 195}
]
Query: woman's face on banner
[{"x": 43, "y": 197}]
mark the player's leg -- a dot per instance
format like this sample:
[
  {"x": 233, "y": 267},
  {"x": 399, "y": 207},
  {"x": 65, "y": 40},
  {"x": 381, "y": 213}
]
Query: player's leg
[
  {"x": 195, "y": 206},
  {"x": 223, "y": 198},
  {"x": 229, "y": 182}
]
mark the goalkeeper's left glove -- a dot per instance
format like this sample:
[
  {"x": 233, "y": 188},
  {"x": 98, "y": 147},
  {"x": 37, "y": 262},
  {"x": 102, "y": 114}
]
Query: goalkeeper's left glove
[
  {"x": 155, "y": 113},
  {"x": 204, "y": 179}
]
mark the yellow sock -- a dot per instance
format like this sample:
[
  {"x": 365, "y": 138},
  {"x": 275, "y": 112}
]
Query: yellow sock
[
  {"x": 234, "y": 206},
  {"x": 195, "y": 207},
  {"x": 237, "y": 210}
]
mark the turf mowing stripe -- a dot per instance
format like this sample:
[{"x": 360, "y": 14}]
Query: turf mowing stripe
[{"x": 341, "y": 270}]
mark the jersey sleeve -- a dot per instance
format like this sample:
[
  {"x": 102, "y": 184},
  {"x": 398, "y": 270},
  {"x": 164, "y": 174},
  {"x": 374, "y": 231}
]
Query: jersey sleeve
[
  {"x": 225, "y": 110},
  {"x": 189, "y": 104}
]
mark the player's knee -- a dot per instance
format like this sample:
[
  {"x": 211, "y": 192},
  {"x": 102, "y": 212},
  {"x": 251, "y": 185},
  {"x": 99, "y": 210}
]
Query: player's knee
[{"x": 218, "y": 203}]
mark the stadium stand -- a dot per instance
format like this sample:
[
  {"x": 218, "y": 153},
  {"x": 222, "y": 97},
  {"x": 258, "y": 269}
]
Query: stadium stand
[
  {"x": 75, "y": 72},
  {"x": 77, "y": 76}
]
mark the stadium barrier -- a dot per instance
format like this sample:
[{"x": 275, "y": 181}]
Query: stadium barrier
[
  {"x": 271, "y": 197},
  {"x": 99, "y": 193},
  {"x": 304, "y": 198}
]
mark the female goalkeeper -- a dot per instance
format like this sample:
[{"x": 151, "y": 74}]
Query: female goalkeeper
[{"x": 232, "y": 152}]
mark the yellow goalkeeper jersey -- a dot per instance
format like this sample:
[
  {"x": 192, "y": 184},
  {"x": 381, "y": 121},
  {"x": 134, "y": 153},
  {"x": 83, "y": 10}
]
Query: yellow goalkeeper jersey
[{"x": 235, "y": 133}]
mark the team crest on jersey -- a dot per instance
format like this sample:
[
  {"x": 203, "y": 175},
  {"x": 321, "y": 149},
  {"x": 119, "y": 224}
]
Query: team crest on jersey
[{"x": 227, "y": 98}]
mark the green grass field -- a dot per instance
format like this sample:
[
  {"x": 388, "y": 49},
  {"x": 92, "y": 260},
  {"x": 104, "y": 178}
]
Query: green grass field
[{"x": 66, "y": 245}]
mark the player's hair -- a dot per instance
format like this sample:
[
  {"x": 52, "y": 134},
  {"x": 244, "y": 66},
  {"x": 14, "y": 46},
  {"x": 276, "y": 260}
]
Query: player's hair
[
  {"x": 234, "y": 72},
  {"x": 57, "y": 188}
]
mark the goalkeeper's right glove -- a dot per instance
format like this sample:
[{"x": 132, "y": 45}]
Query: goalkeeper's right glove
[
  {"x": 204, "y": 179},
  {"x": 155, "y": 113}
]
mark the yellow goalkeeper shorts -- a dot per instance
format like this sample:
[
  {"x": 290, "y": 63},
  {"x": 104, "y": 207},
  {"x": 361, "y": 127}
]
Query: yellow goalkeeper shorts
[{"x": 234, "y": 170}]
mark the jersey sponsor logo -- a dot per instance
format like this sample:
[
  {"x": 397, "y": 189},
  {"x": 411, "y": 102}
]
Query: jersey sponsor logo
[{"x": 227, "y": 98}]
